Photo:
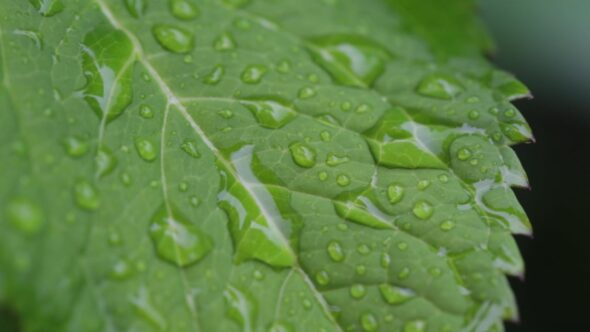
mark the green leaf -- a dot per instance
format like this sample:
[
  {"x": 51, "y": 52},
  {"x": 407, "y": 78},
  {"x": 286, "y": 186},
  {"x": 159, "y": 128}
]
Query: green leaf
[{"x": 236, "y": 165}]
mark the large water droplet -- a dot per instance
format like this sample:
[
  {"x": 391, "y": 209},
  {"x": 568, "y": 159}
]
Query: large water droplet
[
  {"x": 25, "y": 215},
  {"x": 303, "y": 155},
  {"x": 214, "y": 76},
  {"x": 358, "y": 291},
  {"x": 423, "y": 210},
  {"x": 351, "y": 60},
  {"x": 322, "y": 278},
  {"x": 395, "y": 295},
  {"x": 107, "y": 60},
  {"x": 395, "y": 193},
  {"x": 184, "y": 9},
  {"x": 173, "y": 38},
  {"x": 442, "y": 86},
  {"x": 86, "y": 195},
  {"x": 270, "y": 112},
  {"x": 178, "y": 240},
  {"x": 147, "y": 150}
]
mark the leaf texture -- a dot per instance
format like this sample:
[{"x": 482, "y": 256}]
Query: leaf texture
[{"x": 264, "y": 165}]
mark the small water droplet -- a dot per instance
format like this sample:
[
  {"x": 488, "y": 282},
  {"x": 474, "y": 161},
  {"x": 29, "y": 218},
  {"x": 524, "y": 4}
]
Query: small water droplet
[
  {"x": 363, "y": 108},
  {"x": 136, "y": 7},
  {"x": 322, "y": 278},
  {"x": 423, "y": 184},
  {"x": 404, "y": 273},
  {"x": 306, "y": 93},
  {"x": 473, "y": 115},
  {"x": 86, "y": 195},
  {"x": 385, "y": 260},
  {"x": 403, "y": 246},
  {"x": 253, "y": 74},
  {"x": 183, "y": 187},
  {"x": 464, "y": 154},
  {"x": 146, "y": 149},
  {"x": 214, "y": 76},
  {"x": 363, "y": 249},
  {"x": 190, "y": 148},
  {"x": 358, "y": 291},
  {"x": 225, "y": 42},
  {"x": 443, "y": 178},
  {"x": 447, "y": 225},
  {"x": 284, "y": 66},
  {"x": 423, "y": 210},
  {"x": 335, "y": 160},
  {"x": 184, "y": 9},
  {"x": 303, "y": 155},
  {"x": 472, "y": 100},
  {"x": 25, "y": 215},
  {"x": 415, "y": 326},
  {"x": 195, "y": 201},
  {"x": 343, "y": 180},
  {"x": 369, "y": 322},
  {"x": 173, "y": 38},
  {"x": 104, "y": 161},
  {"x": 146, "y": 112},
  {"x": 75, "y": 146},
  {"x": 335, "y": 251},
  {"x": 126, "y": 179},
  {"x": 441, "y": 86},
  {"x": 177, "y": 240},
  {"x": 361, "y": 270},
  {"x": 270, "y": 112},
  {"x": 325, "y": 136},
  {"x": 395, "y": 295},
  {"x": 323, "y": 176},
  {"x": 395, "y": 193},
  {"x": 258, "y": 275},
  {"x": 121, "y": 270}
]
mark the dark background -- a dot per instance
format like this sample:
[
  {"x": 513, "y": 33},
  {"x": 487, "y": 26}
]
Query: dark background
[{"x": 546, "y": 43}]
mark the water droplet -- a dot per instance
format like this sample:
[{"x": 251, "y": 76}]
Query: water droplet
[
  {"x": 184, "y": 9},
  {"x": 75, "y": 146},
  {"x": 225, "y": 42},
  {"x": 473, "y": 115},
  {"x": 190, "y": 147},
  {"x": 441, "y": 86},
  {"x": 306, "y": 304},
  {"x": 361, "y": 270},
  {"x": 325, "y": 136},
  {"x": 126, "y": 179},
  {"x": 136, "y": 7},
  {"x": 369, "y": 322},
  {"x": 104, "y": 161},
  {"x": 253, "y": 74},
  {"x": 517, "y": 132},
  {"x": 258, "y": 275},
  {"x": 173, "y": 38},
  {"x": 147, "y": 311},
  {"x": 194, "y": 200},
  {"x": 415, "y": 326},
  {"x": 395, "y": 295},
  {"x": 443, "y": 178},
  {"x": 335, "y": 251},
  {"x": 422, "y": 210},
  {"x": 358, "y": 291},
  {"x": 178, "y": 240},
  {"x": 464, "y": 154},
  {"x": 345, "y": 106},
  {"x": 303, "y": 155},
  {"x": 323, "y": 176},
  {"x": 270, "y": 113},
  {"x": 423, "y": 184},
  {"x": 183, "y": 187},
  {"x": 363, "y": 249},
  {"x": 121, "y": 270},
  {"x": 323, "y": 278},
  {"x": 214, "y": 76},
  {"x": 472, "y": 100},
  {"x": 108, "y": 69},
  {"x": 25, "y": 215},
  {"x": 240, "y": 307},
  {"x": 86, "y": 195},
  {"x": 146, "y": 149},
  {"x": 395, "y": 193},
  {"x": 47, "y": 8},
  {"x": 385, "y": 260},
  {"x": 447, "y": 225},
  {"x": 510, "y": 113},
  {"x": 402, "y": 246},
  {"x": 363, "y": 108},
  {"x": 146, "y": 112},
  {"x": 226, "y": 114},
  {"x": 404, "y": 273},
  {"x": 343, "y": 180},
  {"x": 284, "y": 66},
  {"x": 306, "y": 93},
  {"x": 350, "y": 60},
  {"x": 335, "y": 160}
]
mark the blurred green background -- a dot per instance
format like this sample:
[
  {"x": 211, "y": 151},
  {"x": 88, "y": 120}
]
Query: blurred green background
[{"x": 546, "y": 43}]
